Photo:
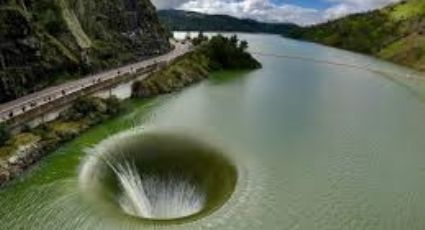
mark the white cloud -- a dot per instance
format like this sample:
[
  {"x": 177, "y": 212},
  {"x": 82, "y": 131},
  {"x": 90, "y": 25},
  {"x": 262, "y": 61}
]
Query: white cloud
[
  {"x": 262, "y": 10},
  {"x": 344, "y": 7},
  {"x": 168, "y": 4},
  {"x": 265, "y": 10}
]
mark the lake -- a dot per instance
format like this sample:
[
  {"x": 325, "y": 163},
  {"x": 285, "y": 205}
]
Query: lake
[{"x": 321, "y": 138}]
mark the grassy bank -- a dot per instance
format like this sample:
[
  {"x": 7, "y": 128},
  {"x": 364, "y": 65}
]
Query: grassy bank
[
  {"x": 395, "y": 33},
  {"x": 19, "y": 151},
  {"x": 218, "y": 53},
  {"x": 184, "y": 71},
  {"x": 62, "y": 161}
]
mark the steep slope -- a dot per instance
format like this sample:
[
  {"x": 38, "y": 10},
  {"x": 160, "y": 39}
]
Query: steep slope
[
  {"x": 395, "y": 33},
  {"x": 45, "y": 41},
  {"x": 192, "y": 21}
]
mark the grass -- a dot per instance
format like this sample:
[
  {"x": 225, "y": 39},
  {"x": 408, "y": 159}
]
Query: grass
[
  {"x": 5, "y": 151},
  {"x": 63, "y": 162},
  {"x": 17, "y": 141},
  {"x": 409, "y": 51},
  {"x": 412, "y": 8},
  {"x": 60, "y": 47},
  {"x": 74, "y": 26},
  {"x": 67, "y": 128},
  {"x": 24, "y": 139},
  {"x": 394, "y": 33},
  {"x": 190, "y": 68}
]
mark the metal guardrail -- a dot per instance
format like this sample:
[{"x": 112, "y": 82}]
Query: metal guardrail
[
  {"x": 52, "y": 103},
  {"x": 31, "y": 104}
]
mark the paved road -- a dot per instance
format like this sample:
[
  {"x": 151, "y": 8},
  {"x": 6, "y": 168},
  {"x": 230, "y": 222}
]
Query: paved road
[{"x": 34, "y": 100}]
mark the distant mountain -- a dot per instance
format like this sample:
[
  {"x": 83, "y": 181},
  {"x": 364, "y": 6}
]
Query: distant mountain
[
  {"x": 395, "y": 33},
  {"x": 192, "y": 21}
]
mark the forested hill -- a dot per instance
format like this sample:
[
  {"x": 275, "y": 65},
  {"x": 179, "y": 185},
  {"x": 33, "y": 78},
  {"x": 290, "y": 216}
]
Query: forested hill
[
  {"x": 395, "y": 33},
  {"x": 192, "y": 21},
  {"x": 46, "y": 41}
]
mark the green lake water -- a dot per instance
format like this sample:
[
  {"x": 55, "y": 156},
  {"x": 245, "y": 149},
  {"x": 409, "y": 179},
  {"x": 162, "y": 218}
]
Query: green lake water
[{"x": 317, "y": 146}]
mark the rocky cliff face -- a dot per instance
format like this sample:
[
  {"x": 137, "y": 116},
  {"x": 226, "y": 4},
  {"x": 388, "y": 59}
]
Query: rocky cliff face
[{"x": 46, "y": 41}]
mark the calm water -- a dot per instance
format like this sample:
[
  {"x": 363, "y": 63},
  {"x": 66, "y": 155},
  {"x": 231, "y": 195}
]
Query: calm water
[{"x": 317, "y": 146}]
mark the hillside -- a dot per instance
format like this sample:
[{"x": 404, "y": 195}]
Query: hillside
[
  {"x": 46, "y": 41},
  {"x": 395, "y": 33},
  {"x": 191, "y": 21}
]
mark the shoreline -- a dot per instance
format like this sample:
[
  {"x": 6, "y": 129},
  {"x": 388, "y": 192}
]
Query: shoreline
[
  {"x": 131, "y": 106},
  {"x": 185, "y": 70},
  {"x": 420, "y": 72}
]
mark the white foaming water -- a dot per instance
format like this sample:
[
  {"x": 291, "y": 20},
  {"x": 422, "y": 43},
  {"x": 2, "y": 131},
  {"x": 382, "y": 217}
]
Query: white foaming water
[
  {"x": 134, "y": 200},
  {"x": 156, "y": 197}
]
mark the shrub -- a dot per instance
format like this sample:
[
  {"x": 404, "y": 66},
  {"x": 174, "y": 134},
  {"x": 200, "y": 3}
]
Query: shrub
[
  {"x": 113, "y": 105},
  {"x": 218, "y": 53},
  {"x": 200, "y": 39},
  {"x": 92, "y": 109},
  {"x": 4, "y": 133}
]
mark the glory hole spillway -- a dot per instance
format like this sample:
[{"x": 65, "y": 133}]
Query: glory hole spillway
[
  {"x": 158, "y": 177},
  {"x": 295, "y": 145}
]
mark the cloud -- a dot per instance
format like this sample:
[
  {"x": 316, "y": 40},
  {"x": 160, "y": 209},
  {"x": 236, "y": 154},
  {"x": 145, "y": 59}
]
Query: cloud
[
  {"x": 265, "y": 10},
  {"x": 168, "y": 4},
  {"x": 345, "y": 7},
  {"x": 262, "y": 10}
]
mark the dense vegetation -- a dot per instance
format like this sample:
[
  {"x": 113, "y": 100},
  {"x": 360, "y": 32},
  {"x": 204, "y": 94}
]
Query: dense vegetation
[
  {"x": 20, "y": 151},
  {"x": 43, "y": 42},
  {"x": 179, "y": 20},
  {"x": 228, "y": 53},
  {"x": 186, "y": 70},
  {"x": 213, "y": 54},
  {"x": 84, "y": 113},
  {"x": 395, "y": 33},
  {"x": 92, "y": 110},
  {"x": 4, "y": 134}
]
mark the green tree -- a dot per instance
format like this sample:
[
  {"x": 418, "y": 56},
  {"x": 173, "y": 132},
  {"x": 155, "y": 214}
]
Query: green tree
[
  {"x": 4, "y": 133},
  {"x": 200, "y": 39},
  {"x": 229, "y": 53},
  {"x": 244, "y": 45}
]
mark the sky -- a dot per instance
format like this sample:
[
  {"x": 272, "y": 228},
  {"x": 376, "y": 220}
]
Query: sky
[{"x": 302, "y": 12}]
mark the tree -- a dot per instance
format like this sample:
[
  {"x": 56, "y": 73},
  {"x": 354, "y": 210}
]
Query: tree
[
  {"x": 4, "y": 133},
  {"x": 234, "y": 40},
  {"x": 244, "y": 45},
  {"x": 200, "y": 39},
  {"x": 229, "y": 53}
]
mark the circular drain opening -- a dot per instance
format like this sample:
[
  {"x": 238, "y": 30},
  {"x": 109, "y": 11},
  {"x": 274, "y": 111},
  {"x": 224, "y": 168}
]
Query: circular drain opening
[{"x": 159, "y": 177}]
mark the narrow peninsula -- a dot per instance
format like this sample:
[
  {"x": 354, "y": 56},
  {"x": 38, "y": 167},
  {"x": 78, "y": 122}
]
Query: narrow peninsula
[{"x": 208, "y": 55}]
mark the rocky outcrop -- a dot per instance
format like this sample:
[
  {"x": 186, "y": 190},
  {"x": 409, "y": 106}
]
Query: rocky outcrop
[
  {"x": 44, "y": 41},
  {"x": 18, "y": 163}
]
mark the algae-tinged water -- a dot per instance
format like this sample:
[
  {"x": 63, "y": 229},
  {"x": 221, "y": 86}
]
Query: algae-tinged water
[{"x": 317, "y": 146}]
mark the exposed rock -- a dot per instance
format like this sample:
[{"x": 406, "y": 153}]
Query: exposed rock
[
  {"x": 21, "y": 160},
  {"x": 42, "y": 40},
  {"x": 13, "y": 160},
  {"x": 25, "y": 149}
]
